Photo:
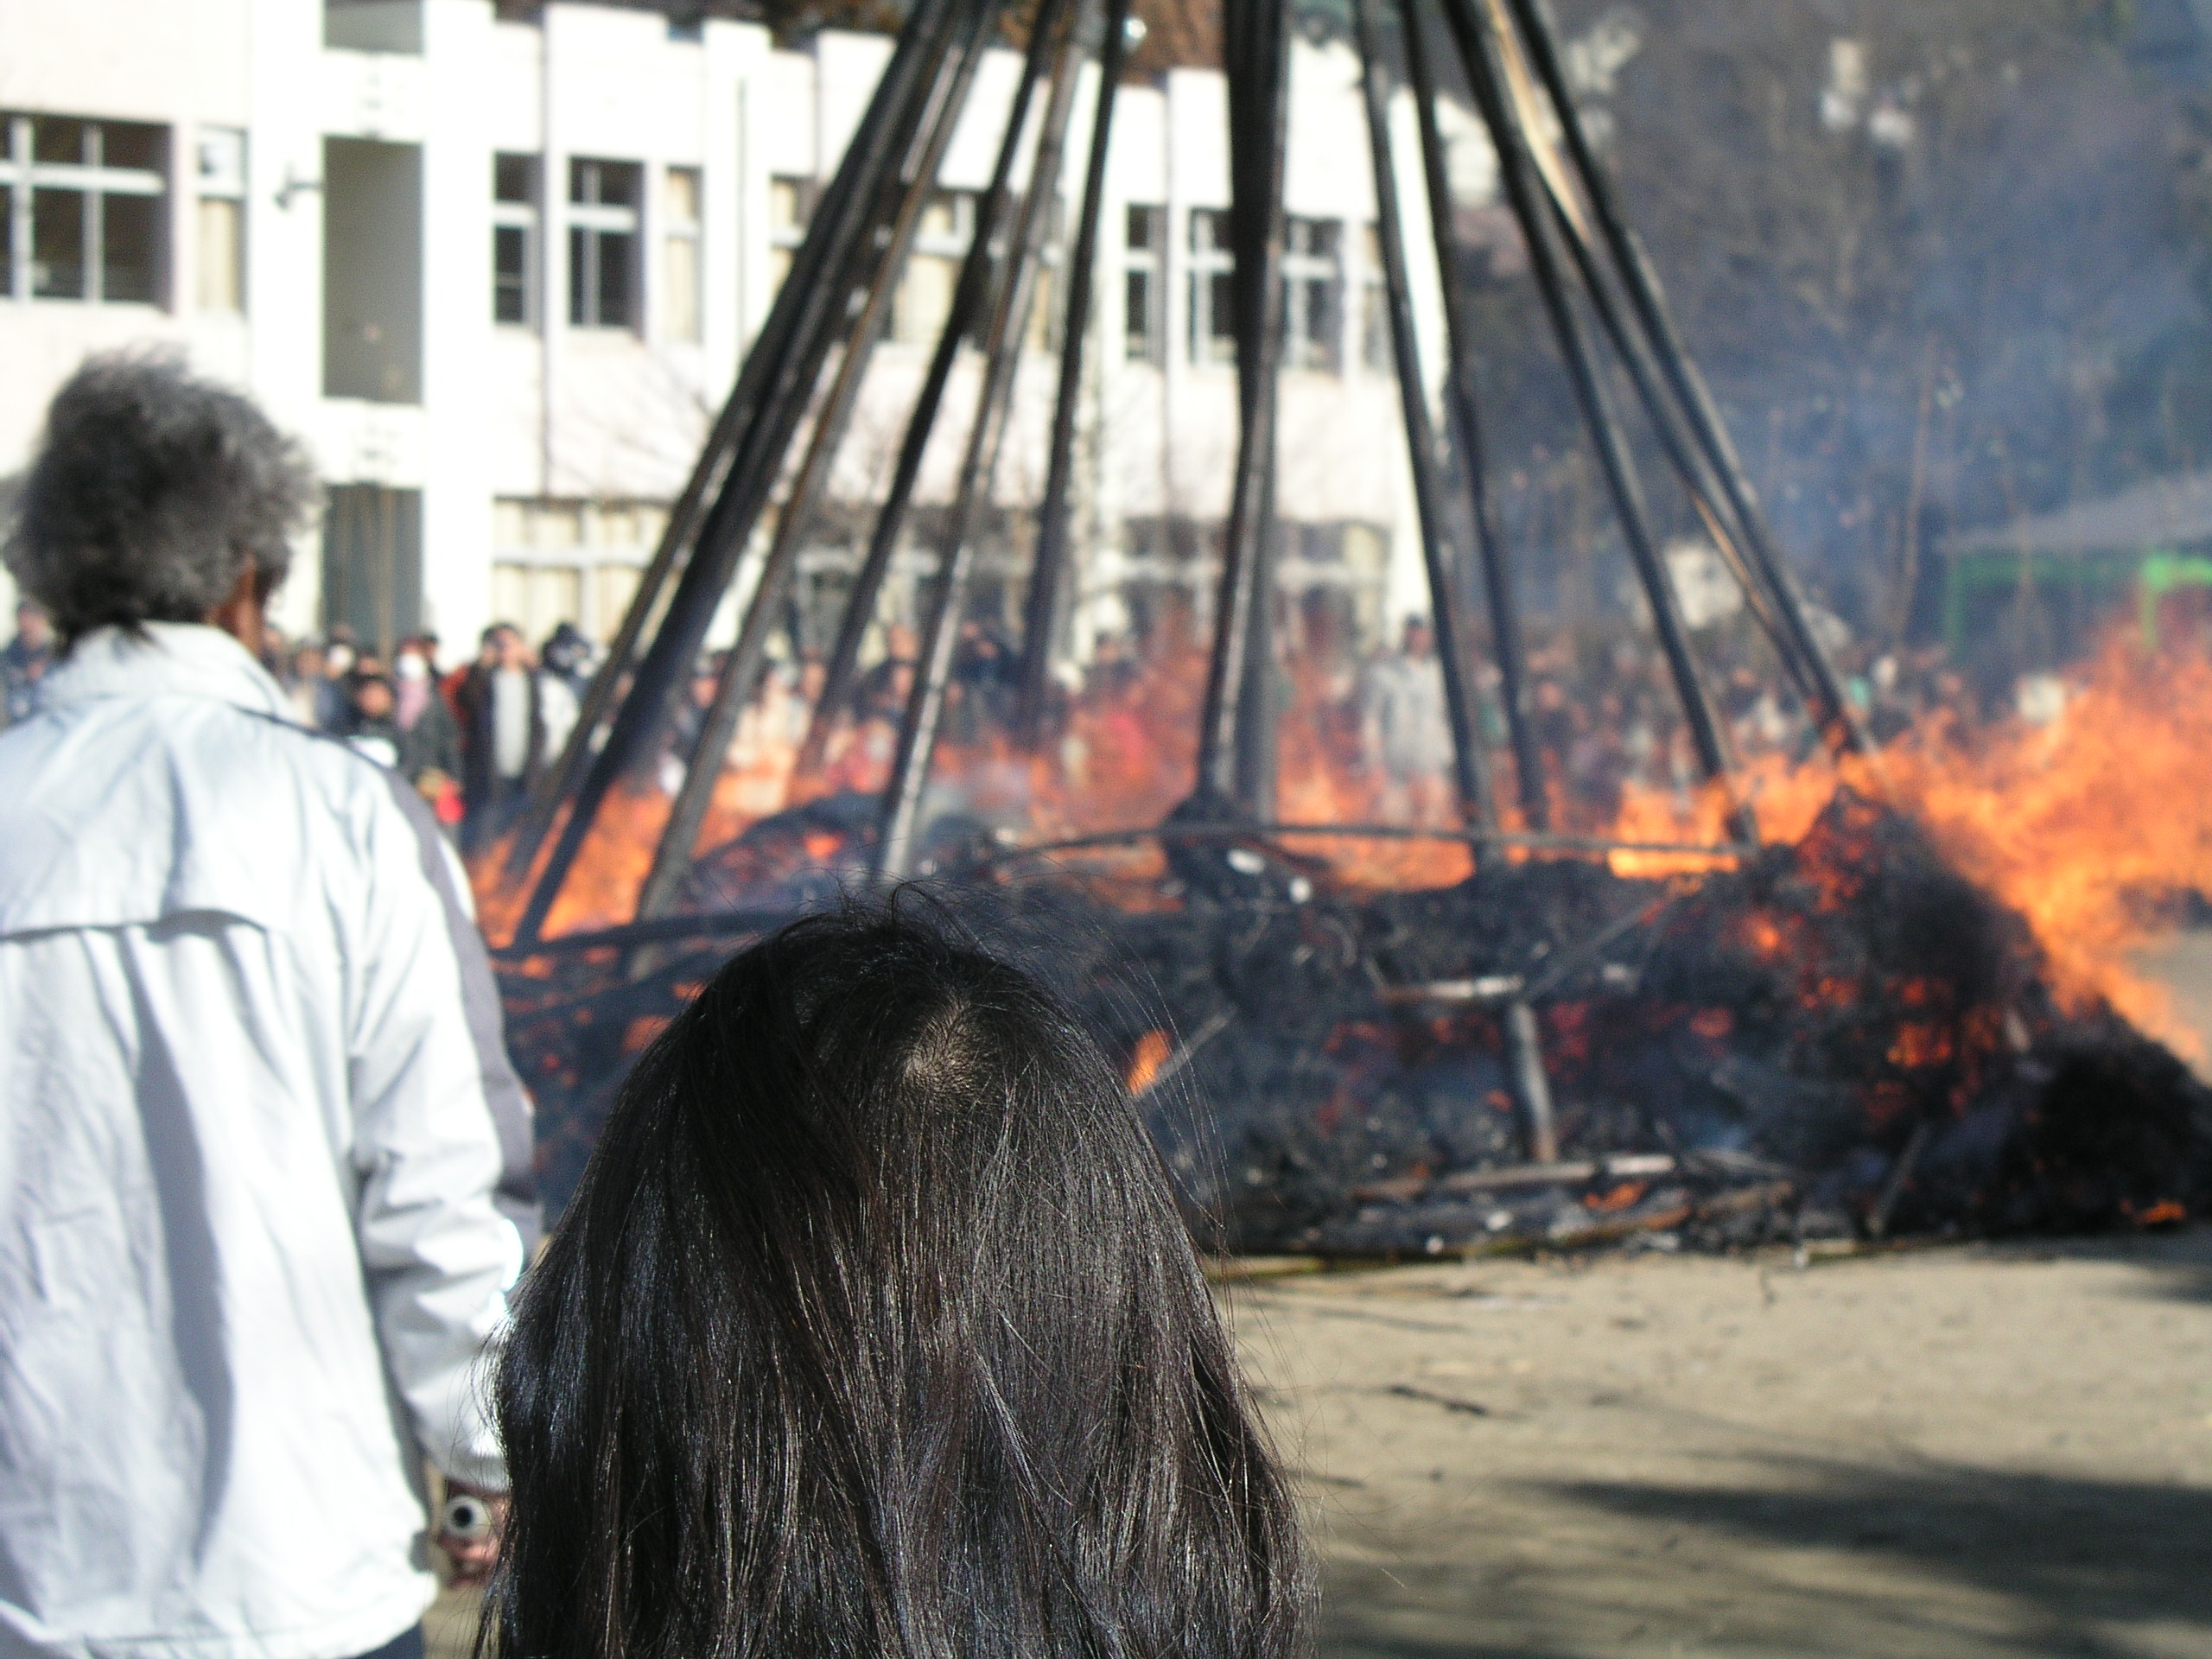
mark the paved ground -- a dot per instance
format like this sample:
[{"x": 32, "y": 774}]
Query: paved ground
[{"x": 1959, "y": 1452}]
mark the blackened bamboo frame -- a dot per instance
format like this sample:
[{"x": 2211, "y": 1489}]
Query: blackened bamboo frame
[{"x": 1584, "y": 257}]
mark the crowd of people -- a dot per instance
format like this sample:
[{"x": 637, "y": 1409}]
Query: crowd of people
[
  {"x": 473, "y": 738},
  {"x": 1605, "y": 719}
]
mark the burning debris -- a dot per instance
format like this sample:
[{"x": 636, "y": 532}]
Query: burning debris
[{"x": 1838, "y": 1037}]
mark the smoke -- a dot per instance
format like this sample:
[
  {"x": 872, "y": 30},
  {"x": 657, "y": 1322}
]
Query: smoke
[{"x": 1944, "y": 267}]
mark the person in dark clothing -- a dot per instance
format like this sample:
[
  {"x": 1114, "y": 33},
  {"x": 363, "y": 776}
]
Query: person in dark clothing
[
  {"x": 368, "y": 727},
  {"x": 883, "y": 691},
  {"x": 420, "y": 711},
  {"x": 424, "y": 754},
  {"x": 514, "y": 718},
  {"x": 567, "y": 654},
  {"x": 24, "y": 661}
]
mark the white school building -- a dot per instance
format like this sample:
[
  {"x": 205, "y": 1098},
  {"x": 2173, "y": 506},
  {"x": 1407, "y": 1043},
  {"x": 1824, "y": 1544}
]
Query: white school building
[{"x": 498, "y": 265}]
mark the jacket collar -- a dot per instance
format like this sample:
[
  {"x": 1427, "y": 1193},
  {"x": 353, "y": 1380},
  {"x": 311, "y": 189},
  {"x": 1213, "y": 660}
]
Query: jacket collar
[{"x": 176, "y": 659}]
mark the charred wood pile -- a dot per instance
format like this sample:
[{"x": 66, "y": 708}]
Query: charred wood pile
[
  {"x": 1841, "y": 1039},
  {"x": 1837, "y": 1038}
]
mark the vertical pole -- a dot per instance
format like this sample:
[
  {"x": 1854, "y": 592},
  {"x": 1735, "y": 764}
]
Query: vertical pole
[
  {"x": 968, "y": 298},
  {"x": 773, "y": 390},
  {"x": 1466, "y": 428},
  {"x": 1256, "y": 53},
  {"x": 679, "y": 838},
  {"x": 1476, "y": 806},
  {"x": 1048, "y": 576},
  {"x": 1684, "y": 449},
  {"x": 1524, "y": 1059},
  {"x": 1480, "y": 50},
  {"x": 910, "y": 769},
  {"x": 1259, "y": 712}
]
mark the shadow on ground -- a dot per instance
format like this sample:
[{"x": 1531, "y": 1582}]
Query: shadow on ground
[
  {"x": 1815, "y": 1559},
  {"x": 2173, "y": 1264}
]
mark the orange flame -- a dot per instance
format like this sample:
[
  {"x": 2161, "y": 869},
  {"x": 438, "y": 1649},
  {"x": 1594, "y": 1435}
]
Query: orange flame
[
  {"x": 2068, "y": 824},
  {"x": 1152, "y": 1052},
  {"x": 2072, "y": 824}
]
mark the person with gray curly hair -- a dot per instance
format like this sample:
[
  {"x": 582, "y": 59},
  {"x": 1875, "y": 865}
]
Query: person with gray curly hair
[
  {"x": 154, "y": 498},
  {"x": 263, "y": 1158}
]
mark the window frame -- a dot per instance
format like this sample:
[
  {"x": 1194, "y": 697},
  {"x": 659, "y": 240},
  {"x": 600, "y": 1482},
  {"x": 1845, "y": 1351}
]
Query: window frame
[
  {"x": 1213, "y": 274},
  {"x": 22, "y": 176},
  {"x": 594, "y": 226},
  {"x": 1313, "y": 345},
  {"x": 948, "y": 247},
  {"x": 1144, "y": 267},
  {"x": 683, "y": 238},
  {"x": 1377, "y": 351},
  {"x": 215, "y": 182},
  {"x": 784, "y": 234},
  {"x": 523, "y": 217}
]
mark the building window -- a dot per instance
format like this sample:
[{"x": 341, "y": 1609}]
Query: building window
[
  {"x": 80, "y": 202},
  {"x": 1312, "y": 289},
  {"x": 603, "y": 243},
  {"x": 790, "y": 204},
  {"x": 372, "y": 562},
  {"x": 578, "y": 562},
  {"x": 925, "y": 291},
  {"x": 374, "y": 25},
  {"x": 220, "y": 226},
  {"x": 1375, "y": 347},
  {"x": 1042, "y": 327},
  {"x": 1213, "y": 289},
  {"x": 680, "y": 317},
  {"x": 514, "y": 239},
  {"x": 1144, "y": 245}
]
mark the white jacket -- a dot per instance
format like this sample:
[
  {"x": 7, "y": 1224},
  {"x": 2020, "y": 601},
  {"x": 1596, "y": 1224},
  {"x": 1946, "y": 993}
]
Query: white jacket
[{"x": 249, "y": 1253}]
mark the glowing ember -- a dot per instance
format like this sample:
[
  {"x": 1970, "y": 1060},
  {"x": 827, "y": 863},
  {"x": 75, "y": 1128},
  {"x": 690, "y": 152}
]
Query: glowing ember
[{"x": 1152, "y": 1051}]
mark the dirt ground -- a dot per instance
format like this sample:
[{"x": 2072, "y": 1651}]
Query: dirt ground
[
  {"x": 1966, "y": 1452},
  {"x": 1963, "y": 1451}
]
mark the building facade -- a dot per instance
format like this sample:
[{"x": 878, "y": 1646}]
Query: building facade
[{"x": 499, "y": 270}]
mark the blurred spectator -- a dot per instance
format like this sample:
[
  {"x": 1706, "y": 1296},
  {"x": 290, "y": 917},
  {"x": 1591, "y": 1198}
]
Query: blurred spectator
[
  {"x": 1112, "y": 670},
  {"x": 983, "y": 667},
  {"x": 369, "y": 728},
  {"x": 689, "y": 718},
  {"x": 569, "y": 655},
  {"x": 24, "y": 661},
  {"x": 514, "y": 718},
  {"x": 1405, "y": 730},
  {"x": 317, "y": 698},
  {"x": 433, "y": 736},
  {"x": 798, "y": 709},
  {"x": 883, "y": 691}
]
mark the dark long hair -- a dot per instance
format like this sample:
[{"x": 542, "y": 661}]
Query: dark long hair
[{"x": 872, "y": 1331}]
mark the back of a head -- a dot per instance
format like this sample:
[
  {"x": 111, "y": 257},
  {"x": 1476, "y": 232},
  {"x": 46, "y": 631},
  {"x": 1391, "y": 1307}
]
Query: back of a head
[
  {"x": 152, "y": 492},
  {"x": 872, "y": 1330}
]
